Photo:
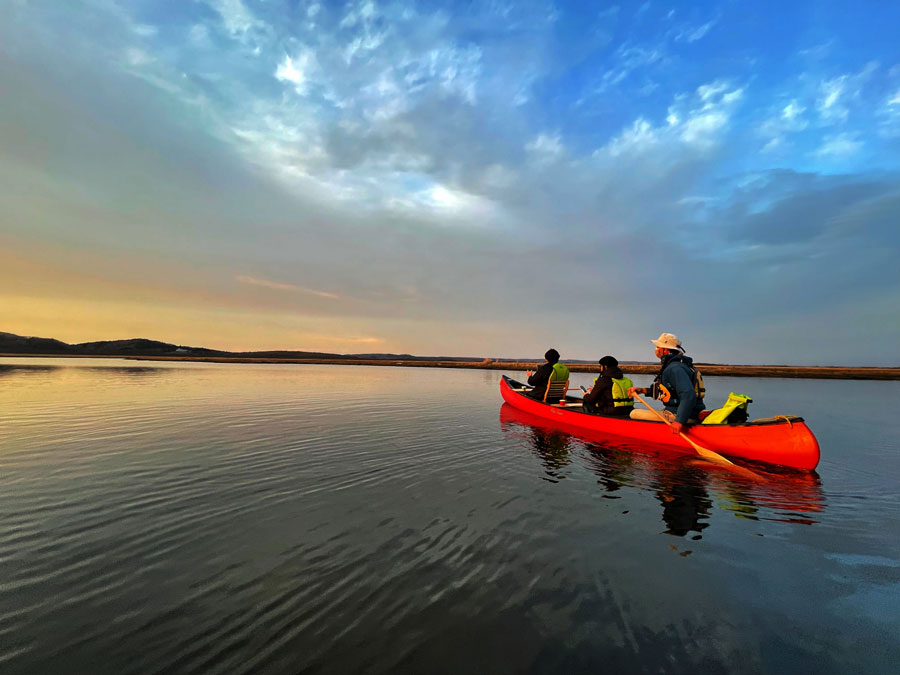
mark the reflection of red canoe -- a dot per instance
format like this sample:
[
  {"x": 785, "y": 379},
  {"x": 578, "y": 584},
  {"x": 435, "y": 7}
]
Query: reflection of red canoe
[
  {"x": 787, "y": 492},
  {"x": 785, "y": 441}
]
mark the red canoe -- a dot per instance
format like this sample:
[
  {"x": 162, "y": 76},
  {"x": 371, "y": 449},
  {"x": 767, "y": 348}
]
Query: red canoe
[{"x": 785, "y": 441}]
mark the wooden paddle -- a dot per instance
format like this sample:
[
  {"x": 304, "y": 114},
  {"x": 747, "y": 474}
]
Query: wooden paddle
[{"x": 705, "y": 453}]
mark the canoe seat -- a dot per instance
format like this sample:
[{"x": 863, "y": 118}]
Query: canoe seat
[{"x": 556, "y": 391}]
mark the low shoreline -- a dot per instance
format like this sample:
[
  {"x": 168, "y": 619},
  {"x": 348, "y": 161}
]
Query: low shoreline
[{"x": 802, "y": 372}]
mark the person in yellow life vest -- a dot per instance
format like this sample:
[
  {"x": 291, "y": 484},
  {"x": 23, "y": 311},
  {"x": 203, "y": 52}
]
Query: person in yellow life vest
[
  {"x": 609, "y": 395},
  {"x": 551, "y": 369}
]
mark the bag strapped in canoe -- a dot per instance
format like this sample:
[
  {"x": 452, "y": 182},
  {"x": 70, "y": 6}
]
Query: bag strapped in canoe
[{"x": 735, "y": 407}]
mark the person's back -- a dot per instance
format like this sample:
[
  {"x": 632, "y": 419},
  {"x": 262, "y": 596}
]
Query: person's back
[
  {"x": 550, "y": 371},
  {"x": 609, "y": 395}
]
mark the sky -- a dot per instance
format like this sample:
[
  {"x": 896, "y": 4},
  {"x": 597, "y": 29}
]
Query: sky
[{"x": 482, "y": 179}]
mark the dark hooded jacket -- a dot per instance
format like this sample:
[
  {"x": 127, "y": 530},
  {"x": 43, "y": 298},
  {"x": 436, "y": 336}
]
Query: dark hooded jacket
[
  {"x": 599, "y": 400},
  {"x": 539, "y": 379},
  {"x": 677, "y": 375}
]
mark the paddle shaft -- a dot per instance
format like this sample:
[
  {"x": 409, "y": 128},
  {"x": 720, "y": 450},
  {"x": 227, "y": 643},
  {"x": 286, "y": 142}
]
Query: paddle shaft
[{"x": 706, "y": 453}]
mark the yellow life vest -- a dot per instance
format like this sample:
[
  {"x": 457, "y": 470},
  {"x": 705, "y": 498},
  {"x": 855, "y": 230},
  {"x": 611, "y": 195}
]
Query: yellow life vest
[
  {"x": 560, "y": 373},
  {"x": 620, "y": 388},
  {"x": 620, "y": 392}
]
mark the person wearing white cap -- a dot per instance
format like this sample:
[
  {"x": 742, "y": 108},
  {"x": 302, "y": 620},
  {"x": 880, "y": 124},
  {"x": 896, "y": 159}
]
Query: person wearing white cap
[{"x": 677, "y": 385}]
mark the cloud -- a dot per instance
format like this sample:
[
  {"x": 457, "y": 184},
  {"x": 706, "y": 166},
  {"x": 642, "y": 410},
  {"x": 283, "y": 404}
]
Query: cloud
[
  {"x": 831, "y": 93},
  {"x": 319, "y": 339},
  {"x": 694, "y": 33},
  {"x": 838, "y": 94},
  {"x": 702, "y": 124},
  {"x": 362, "y": 12},
  {"x": 888, "y": 116},
  {"x": 697, "y": 122},
  {"x": 839, "y": 145},
  {"x": 235, "y": 16},
  {"x": 544, "y": 144},
  {"x": 702, "y": 128},
  {"x": 627, "y": 59},
  {"x": 782, "y": 123},
  {"x": 818, "y": 52},
  {"x": 785, "y": 207},
  {"x": 792, "y": 111},
  {"x": 293, "y": 70},
  {"x": 772, "y": 145},
  {"x": 638, "y": 138},
  {"x": 264, "y": 283}
]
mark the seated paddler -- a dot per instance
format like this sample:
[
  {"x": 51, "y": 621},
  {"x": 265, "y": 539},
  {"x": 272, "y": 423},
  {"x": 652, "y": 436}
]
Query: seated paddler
[
  {"x": 678, "y": 385},
  {"x": 609, "y": 395},
  {"x": 550, "y": 371}
]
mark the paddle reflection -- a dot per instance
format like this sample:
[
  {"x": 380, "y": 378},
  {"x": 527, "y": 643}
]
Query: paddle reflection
[{"x": 687, "y": 488}]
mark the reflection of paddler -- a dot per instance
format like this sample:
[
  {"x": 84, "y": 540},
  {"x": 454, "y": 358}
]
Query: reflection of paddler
[
  {"x": 682, "y": 493},
  {"x": 552, "y": 448},
  {"x": 614, "y": 467}
]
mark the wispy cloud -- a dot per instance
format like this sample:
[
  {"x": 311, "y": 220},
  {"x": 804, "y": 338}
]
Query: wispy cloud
[
  {"x": 781, "y": 124},
  {"x": 545, "y": 144},
  {"x": 832, "y": 90},
  {"x": 638, "y": 138},
  {"x": 694, "y": 33},
  {"x": 294, "y": 70},
  {"x": 276, "y": 286},
  {"x": 792, "y": 111},
  {"x": 694, "y": 122},
  {"x": 628, "y": 59},
  {"x": 235, "y": 16},
  {"x": 839, "y": 145},
  {"x": 839, "y": 93},
  {"x": 318, "y": 338}
]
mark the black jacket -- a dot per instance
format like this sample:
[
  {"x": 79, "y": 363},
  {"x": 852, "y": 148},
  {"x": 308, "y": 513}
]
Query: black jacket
[
  {"x": 599, "y": 400},
  {"x": 539, "y": 380}
]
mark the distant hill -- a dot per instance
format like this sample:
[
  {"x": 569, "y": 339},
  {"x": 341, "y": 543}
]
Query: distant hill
[{"x": 17, "y": 344}]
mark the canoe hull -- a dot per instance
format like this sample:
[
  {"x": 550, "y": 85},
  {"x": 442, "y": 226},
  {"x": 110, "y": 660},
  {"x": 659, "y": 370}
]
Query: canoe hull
[{"x": 784, "y": 442}]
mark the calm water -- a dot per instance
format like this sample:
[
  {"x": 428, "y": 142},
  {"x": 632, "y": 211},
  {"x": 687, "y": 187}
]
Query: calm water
[{"x": 209, "y": 518}]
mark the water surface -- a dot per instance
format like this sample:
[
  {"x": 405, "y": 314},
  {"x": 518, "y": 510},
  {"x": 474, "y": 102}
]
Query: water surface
[{"x": 208, "y": 518}]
